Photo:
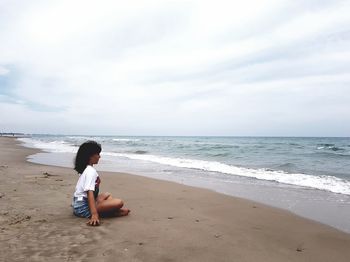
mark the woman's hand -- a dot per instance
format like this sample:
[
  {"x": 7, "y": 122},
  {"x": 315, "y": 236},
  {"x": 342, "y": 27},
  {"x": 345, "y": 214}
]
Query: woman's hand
[{"x": 94, "y": 220}]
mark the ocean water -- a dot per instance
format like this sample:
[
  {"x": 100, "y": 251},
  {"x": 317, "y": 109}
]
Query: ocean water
[{"x": 308, "y": 176}]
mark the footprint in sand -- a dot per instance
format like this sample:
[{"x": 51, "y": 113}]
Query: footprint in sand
[
  {"x": 20, "y": 219},
  {"x": 300, "y": 248}
]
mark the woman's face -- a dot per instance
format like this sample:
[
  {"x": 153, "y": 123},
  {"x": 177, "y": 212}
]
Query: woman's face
[{"x": 94, "y": 159}]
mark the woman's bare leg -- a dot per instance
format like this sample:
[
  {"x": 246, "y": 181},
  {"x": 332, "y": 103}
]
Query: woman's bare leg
[{"x": 108, "y": 205}]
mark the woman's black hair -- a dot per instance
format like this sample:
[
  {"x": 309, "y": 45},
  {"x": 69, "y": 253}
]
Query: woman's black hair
[{"x": 85, "y": 151}]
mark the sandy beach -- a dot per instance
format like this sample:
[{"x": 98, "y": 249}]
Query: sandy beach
[{"x": 168, "y": 222}]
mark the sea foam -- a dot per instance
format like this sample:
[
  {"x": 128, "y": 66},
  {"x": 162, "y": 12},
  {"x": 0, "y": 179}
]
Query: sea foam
[
  {"x": 328, "y": 183},
  {"x": 57, "y": 146}
]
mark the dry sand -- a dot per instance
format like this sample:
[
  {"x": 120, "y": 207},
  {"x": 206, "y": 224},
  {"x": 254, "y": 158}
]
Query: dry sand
[{"x": 169, "y": 222}]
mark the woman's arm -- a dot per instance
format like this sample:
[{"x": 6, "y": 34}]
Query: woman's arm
[{"x": 94, "y": 220}]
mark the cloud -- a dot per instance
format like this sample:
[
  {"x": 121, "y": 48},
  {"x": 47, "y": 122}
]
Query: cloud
[
  {"x": 3, "y": 71},
  {"x": 175, "y": 67}
]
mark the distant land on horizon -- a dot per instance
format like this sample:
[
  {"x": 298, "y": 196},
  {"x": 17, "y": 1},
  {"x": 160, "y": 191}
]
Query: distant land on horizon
[{"x": 109, "y": 135}]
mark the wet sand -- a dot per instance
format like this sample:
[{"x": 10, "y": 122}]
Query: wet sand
[{"x": 168, "y": 222}]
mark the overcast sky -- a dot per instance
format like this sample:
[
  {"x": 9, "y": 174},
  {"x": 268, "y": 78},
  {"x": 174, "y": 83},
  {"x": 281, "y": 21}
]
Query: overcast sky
[{"x": 253, "y": 67}]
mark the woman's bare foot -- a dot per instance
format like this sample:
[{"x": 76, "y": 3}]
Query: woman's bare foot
[{"x": 122, "y": 212}]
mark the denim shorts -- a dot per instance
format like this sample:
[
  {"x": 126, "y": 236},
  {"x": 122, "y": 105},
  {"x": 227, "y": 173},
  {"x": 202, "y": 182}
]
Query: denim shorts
[{"x": 81, "y": 207}]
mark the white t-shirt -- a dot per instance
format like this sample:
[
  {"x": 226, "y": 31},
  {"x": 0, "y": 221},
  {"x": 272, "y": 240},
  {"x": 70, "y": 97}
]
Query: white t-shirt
[{"x": 86, "y": 182}]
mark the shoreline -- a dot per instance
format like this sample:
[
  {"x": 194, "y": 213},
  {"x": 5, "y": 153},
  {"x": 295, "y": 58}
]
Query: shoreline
[
  {"x": 318, "y": 205},
  {"x": 169, "y": 221}
]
